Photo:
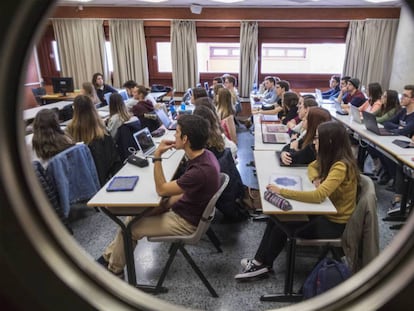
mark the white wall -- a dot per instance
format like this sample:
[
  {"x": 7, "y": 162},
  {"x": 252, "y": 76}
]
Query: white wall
[{"x": 403, "y": 63}]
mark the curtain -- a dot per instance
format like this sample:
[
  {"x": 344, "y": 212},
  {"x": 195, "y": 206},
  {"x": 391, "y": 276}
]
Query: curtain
[
  {"x": 248, "y": 57},
  {"x": 184, "y": 54},
  {"x": 370, "y": 50},
  {"x": 129, "y": 51},
  {"x": 81, "y": 46}
]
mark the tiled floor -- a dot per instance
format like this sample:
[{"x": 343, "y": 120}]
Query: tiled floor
[{"x": 94, "y": 231}]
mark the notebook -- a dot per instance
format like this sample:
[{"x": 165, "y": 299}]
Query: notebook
[
  {"x": 147, "y": 146},
  {"x": 275, "y": 138},
  {"x": 293, "y": 182},
  {"x": 163, "y": 117},
  {"x": 339, "y": 109},
  {"x": 269, "y": 118},
  {"x": 371, "y": 124},
  {"x": 276, "y": 128},
  {"x": 356, "y": 115}
]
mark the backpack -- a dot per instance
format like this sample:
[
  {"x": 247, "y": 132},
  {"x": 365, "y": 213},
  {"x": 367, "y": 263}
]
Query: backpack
[{"x": 327, "y": 274}]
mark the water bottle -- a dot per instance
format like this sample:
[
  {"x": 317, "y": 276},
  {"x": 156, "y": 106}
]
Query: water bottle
[
  {"x": 173, "y": 112},
  {"x": 183, "y": 106},
  {"x": 254, "y": 88}
]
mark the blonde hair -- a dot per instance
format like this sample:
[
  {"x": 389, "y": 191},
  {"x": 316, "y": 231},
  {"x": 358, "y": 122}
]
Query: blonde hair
[
  {"x": 117, "y": 106},
  {"x": 90, "y": 91},
  {"x": 86, "y": 124},
  {"x": 224, "y": 104}
]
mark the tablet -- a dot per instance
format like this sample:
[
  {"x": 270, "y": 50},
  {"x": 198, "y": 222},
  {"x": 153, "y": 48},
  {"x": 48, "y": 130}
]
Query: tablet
[{"x": 122, "y": 183}]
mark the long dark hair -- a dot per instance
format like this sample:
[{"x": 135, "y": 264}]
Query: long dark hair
[
  {"x": 334, "y": 146},
  {"x": 392, "y": 102},
  {"x": 215, "y": 139},
  {"x": 117, "y": 106},
  {"x": 48, "y": 138},
  {"x": 375, "y": 92},
  {"x": 315, "y": 116}
]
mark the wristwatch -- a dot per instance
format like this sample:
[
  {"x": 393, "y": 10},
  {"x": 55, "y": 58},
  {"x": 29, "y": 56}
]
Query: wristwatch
[{"x": 156, "y": 159}]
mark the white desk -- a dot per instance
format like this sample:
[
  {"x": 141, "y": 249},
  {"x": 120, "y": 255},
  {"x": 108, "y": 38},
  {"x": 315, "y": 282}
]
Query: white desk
[
  {"x": 29, "y": 114},
  {"x": 258, "y": 141}
]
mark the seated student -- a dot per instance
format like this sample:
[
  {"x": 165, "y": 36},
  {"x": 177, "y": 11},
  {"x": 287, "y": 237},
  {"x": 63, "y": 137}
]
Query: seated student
[
  {"x": 101, "y": 88},
  {"x": 86, "y": 126},
  {"x": 302, "y": 151},
  {"x": 227, "y": 203},
  {"x": 118, "y": 114},
  {"x": 343, "y": 88},
  {"x": 226, "y": 114},
  {"x": 269, "y": 97},
  {"x": 282, "y": 87},
  {"x": 89, "y": 90},
  {"x": 373, "y": 102},
  {"x": 304, "y": 103},
  {"x": 144, "y": 109},
  {"x": 289, "y": 110},
  {"x": 353, "y": 95},
  {"x": 335, "y": 175},
  {"x": 212, "y": 91},
  {"x": 230, "y": 84},
  {"x": 129, "y": 87},
  {"x": 186, "y": 197},
  {"x": 197, "y": 92},
  {"x": 334, "y": 84},
  {"x": 390, "y": 105},
  {"x": 48, "y": 137},
  {"x": 216, "y": 89}
]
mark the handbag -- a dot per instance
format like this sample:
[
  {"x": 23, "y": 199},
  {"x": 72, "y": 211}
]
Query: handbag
[{"x": 251, "y": 199}]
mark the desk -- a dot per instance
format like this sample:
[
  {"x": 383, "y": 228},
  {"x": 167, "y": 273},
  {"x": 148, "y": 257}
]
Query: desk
[
  {"x": 137, "y": 203},
  {"x": 266, "y": 164},
  {"x": 158, "y": 95},
  {"x": 258, "y": 140},
  {"x": 29, "y": 114},
  {"x": 59, "y": 97}
]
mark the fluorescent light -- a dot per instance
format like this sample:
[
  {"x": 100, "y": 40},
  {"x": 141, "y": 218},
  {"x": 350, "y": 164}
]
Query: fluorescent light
[
  {"x": 228, "y": 1},
  {"x": 378, "y": 1}
]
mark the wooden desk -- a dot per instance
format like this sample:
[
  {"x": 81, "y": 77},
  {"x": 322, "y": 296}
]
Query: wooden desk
[
  {"x": 29, "y": 114},
  {"x": 56, "y": 97},
  {"x": 266, "y": 164},
  {"x": 136, "y": 203}
]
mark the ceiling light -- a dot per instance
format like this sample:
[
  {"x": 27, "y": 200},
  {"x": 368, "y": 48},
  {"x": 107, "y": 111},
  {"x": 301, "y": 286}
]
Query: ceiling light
[
  {"x": 378, "y": 1},
  {"x": 228, "y": 1}
]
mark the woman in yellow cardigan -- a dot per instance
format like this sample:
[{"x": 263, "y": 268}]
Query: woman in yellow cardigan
[{"x": 335, "y": 175}]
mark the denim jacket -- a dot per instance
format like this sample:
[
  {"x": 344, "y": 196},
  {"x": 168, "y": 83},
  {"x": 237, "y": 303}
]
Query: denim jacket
[{"x": 74, "y": 175}]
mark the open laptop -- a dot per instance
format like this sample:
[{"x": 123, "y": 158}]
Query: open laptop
[
  {"x": 163, "y": 117},
  {"x": 147, "y": 146},
  {"x": 319, "y": 98},
  {"x": 371, "y": 124},
  {"x": 274, "y": 138},
  {"x": 124, "y": 94},
  {"x": 107, "y": 96},
  {"x": 339, "y": 109},
  {"x": 356, "y": 115}
]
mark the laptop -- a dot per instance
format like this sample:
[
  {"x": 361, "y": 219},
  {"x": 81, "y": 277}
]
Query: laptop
[
  {"x": 356, "y": 115},
  {"x": 339, "y": 109},
  {"x": 147, "y": 146},
  {"x": 371, "y": 124},
  {"x": 319, "y": 98},
  {"x": 107, "y": 96},
  {"x": 124, "y": 94},
  {"x": 163, "y": 117},
  {"x": 274, "y": 138}
]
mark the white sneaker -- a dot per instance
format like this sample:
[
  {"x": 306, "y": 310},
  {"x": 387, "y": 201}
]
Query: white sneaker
[{"x": 252, "y": 271}]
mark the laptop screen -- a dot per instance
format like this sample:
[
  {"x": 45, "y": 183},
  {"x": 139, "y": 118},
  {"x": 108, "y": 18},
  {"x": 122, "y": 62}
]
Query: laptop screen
[
  {"x": 144, "y": 141},
  {"x": 107, "y": 96},
  {"x": 124, "y": 94},
  {"x": 163, "y": 117}
]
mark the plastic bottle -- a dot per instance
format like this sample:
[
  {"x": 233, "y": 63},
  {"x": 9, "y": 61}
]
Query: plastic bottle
[
  {"x": 173, "y": 112},
  {"x": 183, "y": 106}
]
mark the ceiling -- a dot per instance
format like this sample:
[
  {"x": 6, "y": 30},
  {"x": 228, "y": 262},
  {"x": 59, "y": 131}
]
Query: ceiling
[{"x": 243, "y": 4}]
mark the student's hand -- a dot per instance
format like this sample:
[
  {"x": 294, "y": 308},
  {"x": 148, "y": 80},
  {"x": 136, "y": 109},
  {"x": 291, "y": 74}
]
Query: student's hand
[
  {"x": 294, "y": 136},
  {"x": 291, "y": 123},
  {"x": 273, "y": 188},
  {"x": 316, "y": 182},
  {"x": 163, "y": 147},
  {"x": 286, "y": 158}
]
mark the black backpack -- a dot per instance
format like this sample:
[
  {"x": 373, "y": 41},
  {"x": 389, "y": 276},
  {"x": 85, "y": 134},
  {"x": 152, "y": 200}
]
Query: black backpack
[{"x": 327, "y": 274}]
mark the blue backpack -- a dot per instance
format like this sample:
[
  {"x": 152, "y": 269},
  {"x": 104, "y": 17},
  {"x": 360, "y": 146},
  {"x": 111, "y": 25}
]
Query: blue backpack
[{"x": 327, "y": 274}]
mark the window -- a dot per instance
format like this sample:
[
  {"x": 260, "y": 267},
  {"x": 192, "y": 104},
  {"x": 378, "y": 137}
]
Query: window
[
  {"x": 302, "y": 58},
  {"x": 56, "y": 55},
  {"x": 212, "y": 57},
  {"x": 109, "y": 56}
]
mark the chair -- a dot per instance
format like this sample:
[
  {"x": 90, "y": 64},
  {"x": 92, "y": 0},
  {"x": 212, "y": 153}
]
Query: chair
[
  {"x": 359, "y": 241},
  {"x": 38, "y": 93},
  {"x": 178, "y": 242},
  {"x": 124, "y": 138}
]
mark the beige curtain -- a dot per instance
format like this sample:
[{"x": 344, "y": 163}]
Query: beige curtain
[
  {"x": 370, "y": 50},
  {"x": 184, "y": 54},
  {"x": 248, "y": 57},
  {"x": 129, "y": 51},
  {"x": 81, "y": 46}
]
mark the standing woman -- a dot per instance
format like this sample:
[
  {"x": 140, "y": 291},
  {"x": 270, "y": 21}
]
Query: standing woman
[
  {"x": 89, "y": 90},
  {"x": 86, "y": 126},
  {"x": 118, "y": 114},
  {"x": 48, "y": 138},
  {"x": 335, "y": 176},
  {"x": 101, "y": 88}
]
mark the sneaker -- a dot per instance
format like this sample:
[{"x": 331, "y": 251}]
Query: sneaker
[
  {"x": 395, "y": 209},
  {"x": 248, "y": 261},
  {"x": 101, "y": 260},
  {"x": 252, "y": 271}
]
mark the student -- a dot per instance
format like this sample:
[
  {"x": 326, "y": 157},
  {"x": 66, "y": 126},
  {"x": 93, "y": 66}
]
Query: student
[
  {"x": 353, "y": 95},
  {"x": 269, "y": 96},
  {"x": 101, "y": 88},
  {"x": 198, "y": 92},
  {"x": 374, "y": 98},
  {"x": 186, "y": 197},
  {"x": 334, "y": 84},
  {"x": 343, "y": 87},
  {"x": 86, "y": 126},
  {"x": 302, "y": 151},
  {"x": 282, "y": 87},
  {"x": 230, "y": 84},
  {"x": 118, "y": 114},
  {"x": 144, "y": 108},
  {"x": 289, "y": 109},
  {"x": 335, "y": 175},
  {"x": 89, "y": 90},
  {"x": 48, "y": 137},
  {"x": 129, "y": 86},
  {"x": 226, "y": 114},
  {"x": 390, "y": 105},
  {"x": 305, "y": 102}
]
